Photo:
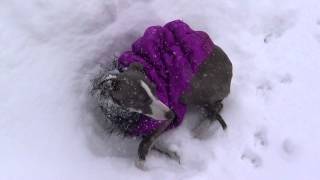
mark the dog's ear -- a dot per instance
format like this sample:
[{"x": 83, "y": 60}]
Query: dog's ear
[{"x": 136, "y": 66}]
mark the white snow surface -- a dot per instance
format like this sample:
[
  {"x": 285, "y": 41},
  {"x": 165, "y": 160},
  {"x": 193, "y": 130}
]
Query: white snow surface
[{"x": 50, "y": 49}]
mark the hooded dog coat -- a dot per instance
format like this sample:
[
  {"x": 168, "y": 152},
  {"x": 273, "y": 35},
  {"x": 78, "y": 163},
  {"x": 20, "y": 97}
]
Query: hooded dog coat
[{"x": 170, "y": 55}]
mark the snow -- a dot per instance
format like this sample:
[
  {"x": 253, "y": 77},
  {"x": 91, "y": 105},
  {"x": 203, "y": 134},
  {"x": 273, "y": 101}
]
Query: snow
[{"x": 49, "y": 51}]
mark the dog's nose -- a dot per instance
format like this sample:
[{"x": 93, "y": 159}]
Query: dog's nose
[{"x": 170, "y": 115}]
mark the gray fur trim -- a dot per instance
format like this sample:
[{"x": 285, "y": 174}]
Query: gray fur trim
[{"x": 121, "y": 120}]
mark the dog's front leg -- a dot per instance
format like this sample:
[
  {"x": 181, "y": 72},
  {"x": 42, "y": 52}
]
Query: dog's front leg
[
  {"x": 161, "y": 148},
  {"x": 147, "y": 143}
]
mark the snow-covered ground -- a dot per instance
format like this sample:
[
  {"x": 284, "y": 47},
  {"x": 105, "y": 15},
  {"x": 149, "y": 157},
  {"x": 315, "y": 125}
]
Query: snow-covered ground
[{"x": 50, "y": 49}]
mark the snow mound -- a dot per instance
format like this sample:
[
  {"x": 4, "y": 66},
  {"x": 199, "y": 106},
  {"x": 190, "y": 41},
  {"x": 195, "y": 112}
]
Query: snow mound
[{"x": 50, "y": 50}]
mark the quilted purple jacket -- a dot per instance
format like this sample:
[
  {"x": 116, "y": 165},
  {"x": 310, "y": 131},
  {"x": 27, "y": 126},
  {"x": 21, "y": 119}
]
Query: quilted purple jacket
[{"x": 170, "y": 55}]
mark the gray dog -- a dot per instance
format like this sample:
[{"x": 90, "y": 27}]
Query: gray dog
[{"x": 131, "y": 98}]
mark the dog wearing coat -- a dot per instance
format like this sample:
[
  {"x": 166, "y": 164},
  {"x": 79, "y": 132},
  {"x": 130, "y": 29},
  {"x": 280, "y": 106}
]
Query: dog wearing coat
[{"x": 168, "y": 70}]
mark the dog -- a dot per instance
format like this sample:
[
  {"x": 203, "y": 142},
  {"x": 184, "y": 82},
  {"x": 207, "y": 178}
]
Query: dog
[{"x": 168, "y": 70}]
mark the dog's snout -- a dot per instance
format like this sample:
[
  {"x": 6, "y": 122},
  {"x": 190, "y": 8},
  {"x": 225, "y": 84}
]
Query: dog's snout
[{"x": 170, "y": 115}]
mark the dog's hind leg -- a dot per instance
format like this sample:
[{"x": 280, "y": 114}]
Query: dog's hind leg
[
  {"x": 211, "y": 113},
  {"x": 148, "y": 141}
]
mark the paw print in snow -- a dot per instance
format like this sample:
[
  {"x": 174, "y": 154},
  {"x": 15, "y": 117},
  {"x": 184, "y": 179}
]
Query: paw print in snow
[
  {"x": 288, "y": 150},
  {"x": 277, "y": 25},
  {"x": 264, "y": 88},
  {"x": 251, "y": 157},
  {"x": 288, "y": 147},
  {"x": 317, "y": 35},
  {"x": 286, "y": 79},
  {"x": 261, "y": 138}
]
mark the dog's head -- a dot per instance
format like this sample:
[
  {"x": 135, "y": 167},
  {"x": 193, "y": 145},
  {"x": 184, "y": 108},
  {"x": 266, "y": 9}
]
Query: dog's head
[{"x": 132, "y": 90}]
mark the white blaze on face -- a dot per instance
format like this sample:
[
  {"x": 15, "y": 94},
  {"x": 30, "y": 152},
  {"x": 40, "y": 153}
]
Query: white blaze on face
[{"x": 158, "y": 108}]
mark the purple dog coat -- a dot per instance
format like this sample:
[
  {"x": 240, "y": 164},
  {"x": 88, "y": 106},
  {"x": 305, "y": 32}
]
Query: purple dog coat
[{"x": 170, "y": 55}]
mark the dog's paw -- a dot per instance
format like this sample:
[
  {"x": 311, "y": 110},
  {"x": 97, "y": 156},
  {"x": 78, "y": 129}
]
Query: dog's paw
[
  {"x": 160, "y": 148},
  {"x": 201, "y": 129},
  {"x": 172, "y": 155},
  {"x": 175, "y": 156},
  {"x": 140, "y": 164}
]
